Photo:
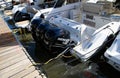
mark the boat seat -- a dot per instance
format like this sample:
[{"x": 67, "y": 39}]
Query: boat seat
[
  {"x": 22, "y": 26},
  {"x": 8, "y": 12}
]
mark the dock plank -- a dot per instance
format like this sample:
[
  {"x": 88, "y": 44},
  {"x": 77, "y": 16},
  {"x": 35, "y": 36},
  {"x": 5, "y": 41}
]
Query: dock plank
[
  {"x": 9, "y": 71},
  {"x": 11, "y": 62},
  {"x": 23, "y": 73},
  {"x": 11, "y": 58},
  {"x": 34, "y": 74},
  {"x": 6, "y": 46},
  {"x": 9, "y": 54}
]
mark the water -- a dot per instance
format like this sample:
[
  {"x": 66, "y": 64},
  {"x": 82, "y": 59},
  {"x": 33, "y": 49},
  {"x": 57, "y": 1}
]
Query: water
[
  {"x": 1, "y": 12},
  {"x": 65, "y": 67}
]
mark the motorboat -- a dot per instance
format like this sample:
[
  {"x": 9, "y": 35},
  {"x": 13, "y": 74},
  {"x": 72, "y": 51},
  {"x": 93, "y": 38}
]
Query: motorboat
[
  {"x": 31, "y": 7},
  {"x": 74, "y": 28},
  {"x": 23, "y": 13},
  {"x": 91, "y": 48},
  {"x": 112, "y": 54},
  {"x": 64, "y": 10},
  {"x": 76, "y": 11},
  {"x": 91, "y": 14},
  {"x": 84, "y": 32},
  {"x": 5, "y": 3},
  {"x": 88, "y": 13}
]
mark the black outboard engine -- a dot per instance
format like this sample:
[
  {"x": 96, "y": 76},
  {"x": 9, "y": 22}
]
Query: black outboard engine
[
  {"x": 34, "y": 25},
  {"x": 20, "y": 16},
  {"x": 53, "y": 38}
]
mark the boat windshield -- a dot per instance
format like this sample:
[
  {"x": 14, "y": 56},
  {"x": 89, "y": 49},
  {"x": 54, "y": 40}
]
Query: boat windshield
[
  {"x": 96, "y": 41},
  {"x": 117, "y": 4},
  {"x": 116, "y": 45},
  {"x": 59, "y": 3}
]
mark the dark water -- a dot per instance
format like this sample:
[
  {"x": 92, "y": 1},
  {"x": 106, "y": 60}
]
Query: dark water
[
  {"x": 1, "y": 12},
  {"x": 66, "y": 67},
  {"x": 69, "y": 67}
]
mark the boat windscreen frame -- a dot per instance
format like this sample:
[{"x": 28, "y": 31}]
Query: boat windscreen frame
[{"x": 59, "y": 3}]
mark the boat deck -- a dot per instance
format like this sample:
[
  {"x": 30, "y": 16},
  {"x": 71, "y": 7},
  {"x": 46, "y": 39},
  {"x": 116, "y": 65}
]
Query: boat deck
[{"x": 14, "y": 62}]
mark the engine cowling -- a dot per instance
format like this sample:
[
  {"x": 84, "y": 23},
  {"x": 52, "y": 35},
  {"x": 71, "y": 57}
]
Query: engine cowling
[
  {"x": 20, "y": 16},
  {"x": 53, "y": 38}
]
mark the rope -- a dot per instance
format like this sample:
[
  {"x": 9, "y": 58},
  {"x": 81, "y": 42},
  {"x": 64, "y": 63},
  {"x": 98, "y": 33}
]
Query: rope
[
  {"x": 67, "y": 56},
  {"x": 61, "y": 54},
  {"x": 53, "y": 58}
]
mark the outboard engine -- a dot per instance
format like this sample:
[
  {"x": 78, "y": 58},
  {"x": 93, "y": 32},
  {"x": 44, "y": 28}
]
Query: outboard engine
[
  {"x": 20, "y": 16},
  {"x": 53, "y": 38}
]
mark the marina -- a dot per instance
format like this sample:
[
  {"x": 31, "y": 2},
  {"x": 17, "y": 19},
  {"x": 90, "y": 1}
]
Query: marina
[{"x": 37, "y": 58}]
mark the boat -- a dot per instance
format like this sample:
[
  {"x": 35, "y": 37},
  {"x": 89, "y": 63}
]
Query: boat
[
  {"x": 76, "y": 11},
  {"x": 99, "y": 41},
  {"x": 85, "y": 31},
  {"x": 24, "y": 12},
  {"x": 62, "y": 9},
  {"x": 5, "y": 3},
  {"x": 112, "y": 54},
  {"x": 91, "y": 14},
  {"x": 79, "y": 11},
  {"x": 77, "y": 32},
  {"x": 32, "y": 7}
]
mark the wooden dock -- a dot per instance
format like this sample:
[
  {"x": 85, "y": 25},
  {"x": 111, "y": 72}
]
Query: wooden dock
[{"x": 14, "y": 62}]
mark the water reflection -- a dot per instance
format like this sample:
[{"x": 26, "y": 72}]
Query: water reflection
[
  {"x": 67, "y": 67},
  {"x": 1, "y": 12}
]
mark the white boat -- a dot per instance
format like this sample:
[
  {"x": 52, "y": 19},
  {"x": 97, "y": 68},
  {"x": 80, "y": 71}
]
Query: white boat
[
  {"x": 63, "y": 11},
  {"x": 112, "y": 54},
  {"x": 99, "y": 39},
  {"x": 5, "y": 3},
  {"x": 32, "y": 7},
  {"x": 92, "y": 14},
  {"x": 79, "y": 12},
  {"x": 78, "y": 32}
]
